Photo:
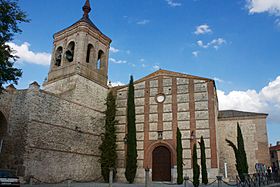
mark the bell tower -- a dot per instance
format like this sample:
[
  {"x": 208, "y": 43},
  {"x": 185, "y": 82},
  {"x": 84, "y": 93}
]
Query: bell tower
[
  {"x": 79, "y": 63},
  {"x": 81, "y": 49}
]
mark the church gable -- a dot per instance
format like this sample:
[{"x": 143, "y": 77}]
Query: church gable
[{"x": 165, "y": 100}]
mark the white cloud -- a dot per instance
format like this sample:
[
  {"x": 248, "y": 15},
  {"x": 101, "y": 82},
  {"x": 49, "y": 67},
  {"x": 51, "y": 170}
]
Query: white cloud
[
  {"x": 277, "y": 23},
  {"x": 143, "y": 22},
  {"x": 218, "y": 80},
  {"x": 241, "y": 100},
  {"x": 215, "y": 43},
  {"x": 28, "y": 56},
  {"x": 266, "y": 100},
  {"x": 172, "y": 3},
  {"x": 272, "y": 91},
  {"x": 195, "y": 53},
  {"x": 142, "y": 60},
  {"x": 201, "y": 44},
  {"x": 114, "y": 50},
  {"x": 202, "y": 29},
  {"x": 143, "y": 65},
  {"x": 128, "y": 52},
  {"x": 260, "y": 6},
  {"x": 117, "y": 61},
  {"x": 118, "y": 83},
  {"x": 156, "y": 67}
]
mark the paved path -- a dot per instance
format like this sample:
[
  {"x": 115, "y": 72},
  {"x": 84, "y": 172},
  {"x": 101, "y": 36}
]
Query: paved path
[
  {"x": 127, "y": 185},
  {"x": 105, "y": 185},
  {"x": 116, "y": 185}
]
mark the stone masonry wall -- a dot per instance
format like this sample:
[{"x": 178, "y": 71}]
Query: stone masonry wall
[
  {"x": 59, "y": 138},
  {"x": 81, "y": 90},
  {"x": 255, "y": 141},
  {"x": 63, "y": 139},
  {"x": 15, "y": 110}
]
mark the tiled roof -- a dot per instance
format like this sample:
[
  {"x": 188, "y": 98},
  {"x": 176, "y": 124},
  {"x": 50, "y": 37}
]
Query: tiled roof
[
  {"x": 89, "y": 22},
  {"x": 235, "y": 113},
  {"x": 275, "y": 148}
]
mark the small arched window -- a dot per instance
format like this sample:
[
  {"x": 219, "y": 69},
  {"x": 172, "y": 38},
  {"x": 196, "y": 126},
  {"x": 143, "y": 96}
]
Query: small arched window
[
  {"x": 69, "y": 54},
  {"x": 89, "y": 53},
  {"x": 58, "y": 56},
  {"x": 100, "y": 59}
]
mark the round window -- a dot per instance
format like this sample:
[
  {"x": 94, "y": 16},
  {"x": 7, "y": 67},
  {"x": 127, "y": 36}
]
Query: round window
[{"x": 160, "y": 98}]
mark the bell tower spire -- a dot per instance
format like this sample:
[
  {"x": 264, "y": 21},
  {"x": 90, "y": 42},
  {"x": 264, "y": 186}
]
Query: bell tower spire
[{"x": 86, "y": 9}]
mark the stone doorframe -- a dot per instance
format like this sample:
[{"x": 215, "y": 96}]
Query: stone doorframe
[{"x": 148, "y": 159}]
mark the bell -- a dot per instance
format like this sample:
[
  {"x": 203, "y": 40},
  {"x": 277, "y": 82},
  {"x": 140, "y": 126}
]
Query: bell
[
  {"x": 69, "y": 55},
  {"x": 58, "y": 60}
]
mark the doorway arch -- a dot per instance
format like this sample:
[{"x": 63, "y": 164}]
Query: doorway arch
[
  {"x": 161, "y": 167},
  {"x": 3, "y": 130}
]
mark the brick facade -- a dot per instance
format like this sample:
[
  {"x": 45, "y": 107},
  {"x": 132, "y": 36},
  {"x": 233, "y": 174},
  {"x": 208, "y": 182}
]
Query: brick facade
[{"x": 185, "y": 104}]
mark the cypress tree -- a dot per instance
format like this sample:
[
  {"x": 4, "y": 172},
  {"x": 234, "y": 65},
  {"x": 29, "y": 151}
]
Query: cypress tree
[
  {"x": 241, "y": 150},
  {"x": 240, "y": 154},
  {"x": 203, "y": 161},
  {"x": 179, "y": 157},
  {"x": 108, "y": 146},
  {"x": 131, "y": 155},
  {"x": 195, "y": 167}
]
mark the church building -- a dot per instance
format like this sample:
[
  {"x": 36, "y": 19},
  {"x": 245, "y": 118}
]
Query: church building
[{"x": 53, "y": 133}]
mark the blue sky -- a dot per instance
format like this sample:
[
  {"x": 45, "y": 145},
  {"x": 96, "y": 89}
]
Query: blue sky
[{"x": 234, "y": 42}]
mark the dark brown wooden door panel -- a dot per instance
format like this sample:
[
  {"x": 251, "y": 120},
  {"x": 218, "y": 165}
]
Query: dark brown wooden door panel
[{"x": 161, "y": 164}]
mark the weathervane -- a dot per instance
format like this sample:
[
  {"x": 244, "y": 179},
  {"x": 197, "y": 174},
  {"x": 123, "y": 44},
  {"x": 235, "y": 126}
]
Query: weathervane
[{"x": 86, "y": 9}]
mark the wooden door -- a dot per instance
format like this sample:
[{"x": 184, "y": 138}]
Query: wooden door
[{"x": 161, "y": 164}]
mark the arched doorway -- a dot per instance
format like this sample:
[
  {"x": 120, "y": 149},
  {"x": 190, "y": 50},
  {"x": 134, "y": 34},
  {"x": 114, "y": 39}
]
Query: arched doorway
[
  {"x": 3, "y": 129},
  {"x": 161, "y": 170}
]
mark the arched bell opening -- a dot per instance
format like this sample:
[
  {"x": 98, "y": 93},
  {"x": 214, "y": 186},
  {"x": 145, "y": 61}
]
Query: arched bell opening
[
  {"x": 69, "y": 54},
  {"x": 90, "y": 53},
  {"x": 100, "y": 60},
  {"x": 58, "y": 56}
]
